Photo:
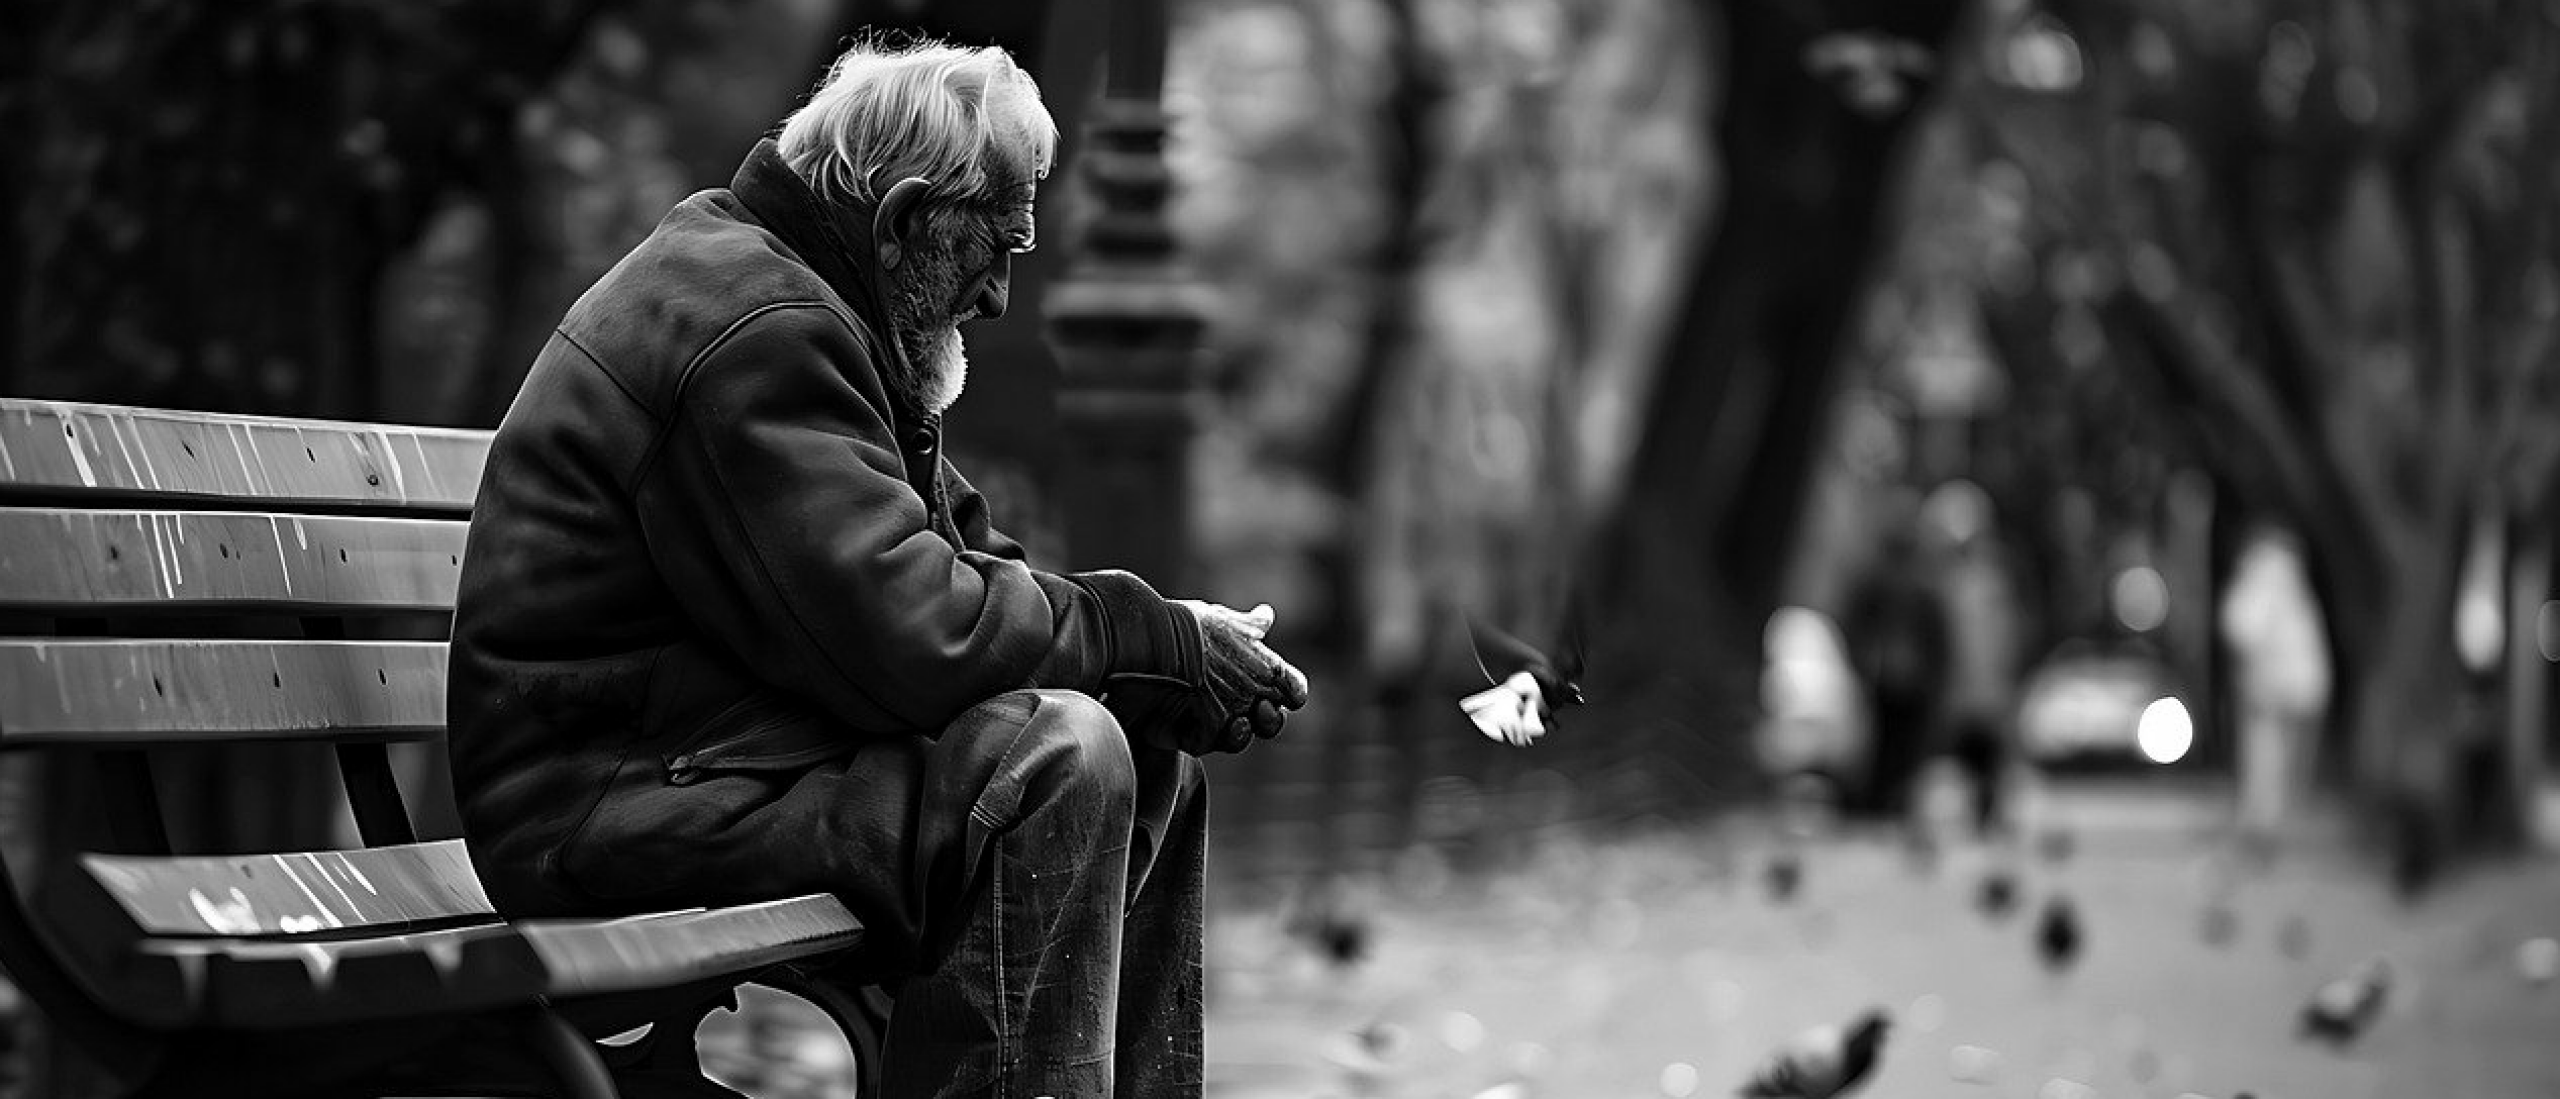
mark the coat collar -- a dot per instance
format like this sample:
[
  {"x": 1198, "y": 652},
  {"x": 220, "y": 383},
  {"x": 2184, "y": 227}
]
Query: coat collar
[{"x": 835, "y": 240}]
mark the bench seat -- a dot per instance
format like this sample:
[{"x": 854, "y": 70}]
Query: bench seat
[
  {"x": 258, "y": 942},
  {"x": 172, "y": 581}
]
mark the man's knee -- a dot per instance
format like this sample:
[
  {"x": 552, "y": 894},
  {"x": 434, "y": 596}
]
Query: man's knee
[
  {"x": 1081, "y": 738},
  {"x": 1034, "y": 747}
]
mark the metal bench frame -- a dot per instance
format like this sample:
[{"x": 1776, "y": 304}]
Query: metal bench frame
[{"x": 326, "y": 973}]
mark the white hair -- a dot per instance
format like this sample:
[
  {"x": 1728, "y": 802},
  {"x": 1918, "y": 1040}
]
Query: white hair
[{"x": 928, "y": 110}]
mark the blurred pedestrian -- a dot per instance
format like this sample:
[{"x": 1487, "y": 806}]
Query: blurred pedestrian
[
  {"x": 1985, "y": 633},
  {"x": 2271, "y": 619},
  {"x": 1898, "y": 643}
]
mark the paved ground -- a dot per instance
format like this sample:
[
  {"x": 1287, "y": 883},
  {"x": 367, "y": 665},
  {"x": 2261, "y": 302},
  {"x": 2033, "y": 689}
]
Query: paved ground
[{"x": 1658, "y": 966}]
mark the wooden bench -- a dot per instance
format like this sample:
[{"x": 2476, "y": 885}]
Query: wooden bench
[{"x": 171, "y": 579}]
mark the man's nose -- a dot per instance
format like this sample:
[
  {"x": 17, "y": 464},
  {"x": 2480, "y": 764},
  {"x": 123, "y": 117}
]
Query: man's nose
[{"x": 996, "y": 288}]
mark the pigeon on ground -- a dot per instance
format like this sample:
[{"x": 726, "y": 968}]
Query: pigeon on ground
[
  {"x": 1821, "y": 1063},
  {"x": 2058, "y": 935},
  {"x": 1373, "y": 1050},
  {"x": 1998, "y": 894},
  {"x": 1785, "y": 873},
  {"x": 1331, "y": 925},
  {"x": 1527, "y": 684},
  {"x": 2341, "y": 1010}
]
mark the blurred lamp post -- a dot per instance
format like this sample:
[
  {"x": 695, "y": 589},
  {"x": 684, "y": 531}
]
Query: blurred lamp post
[{"x": 1127, "y": 322}]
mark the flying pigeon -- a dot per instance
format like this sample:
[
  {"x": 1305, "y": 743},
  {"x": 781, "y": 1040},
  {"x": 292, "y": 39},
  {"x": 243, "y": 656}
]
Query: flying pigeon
[
  {"x": 1823, "y": 1062},
  {"x": 1527, "y": 684}
]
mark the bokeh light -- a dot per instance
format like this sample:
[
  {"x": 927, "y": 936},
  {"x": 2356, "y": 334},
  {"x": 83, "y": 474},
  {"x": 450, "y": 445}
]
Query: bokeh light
[
  {"x": 2166, "y": 732},
  {"x": 2479, "y": 625},
  {"x": 1461, "y": 1031},
  {"x": 2141, "y": 598},
  {"x": 1679, "y": 1079},
  {"x": 2042, "y": 56}
]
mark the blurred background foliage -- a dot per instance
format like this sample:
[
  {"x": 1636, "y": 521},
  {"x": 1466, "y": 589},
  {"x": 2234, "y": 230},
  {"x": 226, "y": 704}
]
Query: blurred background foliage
[{"x": 1658, "y": 311}]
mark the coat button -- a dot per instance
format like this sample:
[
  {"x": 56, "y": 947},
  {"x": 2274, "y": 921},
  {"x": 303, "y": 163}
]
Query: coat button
[{"x": 920, "y": 442}]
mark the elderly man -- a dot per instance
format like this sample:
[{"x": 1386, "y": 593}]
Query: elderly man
[{"x": 731, "y": 627}]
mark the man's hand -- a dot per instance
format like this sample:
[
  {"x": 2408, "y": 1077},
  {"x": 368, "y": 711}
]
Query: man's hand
[{"x": 1252, "y": 689}]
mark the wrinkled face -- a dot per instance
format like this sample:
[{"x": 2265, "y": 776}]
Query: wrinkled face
[{"x": 959, "y": 268}]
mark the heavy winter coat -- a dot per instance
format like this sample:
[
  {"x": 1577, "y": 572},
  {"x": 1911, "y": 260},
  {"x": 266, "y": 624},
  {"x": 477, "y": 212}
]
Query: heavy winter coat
[{"x": 709, "y": 541}]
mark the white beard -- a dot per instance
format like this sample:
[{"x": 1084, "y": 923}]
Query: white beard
[{"x": 942, "y": 369}]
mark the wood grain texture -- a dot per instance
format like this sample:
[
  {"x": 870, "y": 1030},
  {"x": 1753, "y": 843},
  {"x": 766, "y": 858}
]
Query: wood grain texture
[
  {"x": 136, "y": 562},
  {"x": 144, "y": 692},
  {"x": 298, "y": 893},
  {"x": 114, "y": 452}
]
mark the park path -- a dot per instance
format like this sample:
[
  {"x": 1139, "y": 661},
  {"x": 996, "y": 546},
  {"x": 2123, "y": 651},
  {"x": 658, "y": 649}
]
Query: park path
[
  {"x": 1656, "y": 965},
  {"x": 1659, "y": 966}
]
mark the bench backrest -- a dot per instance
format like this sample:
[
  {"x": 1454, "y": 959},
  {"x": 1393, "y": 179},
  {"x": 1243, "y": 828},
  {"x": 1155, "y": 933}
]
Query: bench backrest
[{"x": 173, "y": 578}]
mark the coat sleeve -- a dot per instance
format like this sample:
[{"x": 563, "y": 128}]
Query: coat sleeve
[
  {"x": 969, "y": 512},
  {"x": 1086, "y": 594},
  {"x": 777, "y": 508}
]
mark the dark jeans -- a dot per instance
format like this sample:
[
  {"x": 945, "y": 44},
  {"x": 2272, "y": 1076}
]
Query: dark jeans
[
  {"x": 1029, "y": 885},
  {"x": 1073, "y": 963}
]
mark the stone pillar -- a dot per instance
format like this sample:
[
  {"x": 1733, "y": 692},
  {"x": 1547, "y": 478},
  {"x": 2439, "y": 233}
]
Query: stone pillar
[{"x": 1127, "y": 321}]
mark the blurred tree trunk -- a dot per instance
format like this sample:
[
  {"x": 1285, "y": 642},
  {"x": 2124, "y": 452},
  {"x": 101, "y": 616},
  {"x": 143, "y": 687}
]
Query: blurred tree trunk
[
  {"x": 1698, "y": 545},
  {"x": 1407, "y": 160},
  {"x": 2355, "y": 294}
]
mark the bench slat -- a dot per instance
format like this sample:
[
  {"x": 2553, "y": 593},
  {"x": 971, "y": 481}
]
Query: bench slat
[
  {"x": 300, "y": 893},
  {"x": 265, "y": 984},
  {"x": 135, "y": 562},
  {"x": 268, "y": 983},
  {"x": 168, "y": 692},
  {"x": 109, "y": 451},
  {"x": 587, "y": 957}
]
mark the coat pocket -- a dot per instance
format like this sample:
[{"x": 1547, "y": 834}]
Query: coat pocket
[{"x": 757, "y": 733}]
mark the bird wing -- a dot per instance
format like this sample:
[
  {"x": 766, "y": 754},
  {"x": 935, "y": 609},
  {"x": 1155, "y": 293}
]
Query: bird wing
[
  {"x": 1499, "y": 654},
  {"x": 1570, "y": 662}
]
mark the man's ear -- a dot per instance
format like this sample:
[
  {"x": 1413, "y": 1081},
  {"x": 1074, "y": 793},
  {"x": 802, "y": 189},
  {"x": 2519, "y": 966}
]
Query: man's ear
[{"x": 895, "y": 221}]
